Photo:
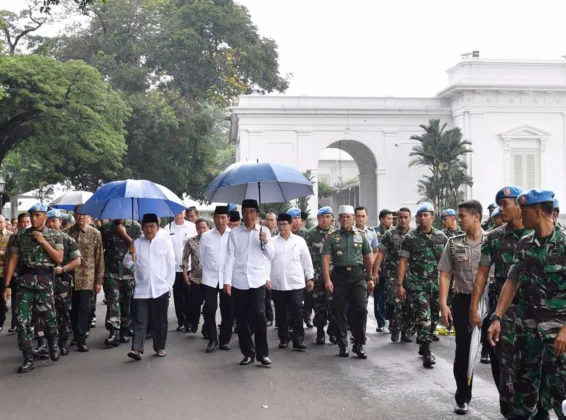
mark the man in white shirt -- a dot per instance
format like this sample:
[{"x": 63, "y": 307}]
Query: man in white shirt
[
  {"x": 290, "y": 266},
  {"x": 212, "y": 256},
  {"x": 179, "y": 232},
  {"x": 245, "y": 275},
  {"x": 154, "y": 261}
]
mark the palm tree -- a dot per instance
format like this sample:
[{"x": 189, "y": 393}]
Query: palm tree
[{"x": 442, "y": 151}]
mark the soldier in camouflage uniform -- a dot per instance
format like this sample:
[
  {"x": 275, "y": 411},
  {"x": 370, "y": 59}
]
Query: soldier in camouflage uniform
[
  {"x": 37, "y": 250},
  {"x": 499, "y": 250},
  {"x": 399, "y": 313},
  {"x": 118, "y": 280},
  {"x": 297, "y": 229},
  {"x": 488, "y": 225},
  {"x": 64, "y": 280},
  {"x": 539, "y": 271},
  {"x": 322, "y": 300},
  {"x": 419, "y": 258},
  {"x": 451, "y": 227}
]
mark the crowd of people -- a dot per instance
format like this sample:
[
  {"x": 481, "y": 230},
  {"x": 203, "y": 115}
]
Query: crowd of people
[{"x": 242, "y": 263}]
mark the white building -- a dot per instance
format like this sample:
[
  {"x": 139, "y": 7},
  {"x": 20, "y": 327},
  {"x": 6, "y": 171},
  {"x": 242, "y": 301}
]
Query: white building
[{"x": 513, "y": 112}]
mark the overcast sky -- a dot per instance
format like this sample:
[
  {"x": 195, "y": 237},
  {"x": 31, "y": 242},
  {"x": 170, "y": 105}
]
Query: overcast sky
[{"x": 394, "y": 47}]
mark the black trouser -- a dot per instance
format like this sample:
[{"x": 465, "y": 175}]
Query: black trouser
[
  {"x": 80, "y": 313},
  {"x": 181, "y": 299},
  {"x": 195, "y": 299},
  {"x": 350, "y": 287},
  {"x": 93, "y": 307},
  {"x": 250, "y": 315},
  {"x": 461, "y": 316},
  {"x": 308, "y": 305},
  {"x": 290, "y": 301},
  {"x": 2, "y": 304},
  {"x": 268, "y": 307},
  {"x": 209, "y": 314},
  {"x": 158, "y": 308}
]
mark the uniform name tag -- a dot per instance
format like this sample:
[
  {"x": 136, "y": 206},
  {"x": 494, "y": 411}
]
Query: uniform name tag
[{"x": 358, "y": 239}]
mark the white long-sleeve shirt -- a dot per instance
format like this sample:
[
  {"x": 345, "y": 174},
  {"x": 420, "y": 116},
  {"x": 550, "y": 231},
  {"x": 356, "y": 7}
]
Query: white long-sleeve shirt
[
  {"x": 291, "y": 264},
  {"x": 212, "y": 256},
  {"x": 246, "y": 263},
  {"x": 154, "y": 268},
  {"x": 179, "y": 234}
]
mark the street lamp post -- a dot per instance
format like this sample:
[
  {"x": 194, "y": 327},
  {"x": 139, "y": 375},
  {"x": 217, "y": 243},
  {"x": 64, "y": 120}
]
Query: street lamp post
[
  {"x": 41, "y": 194},
  {"x": 2, "y": 187}
]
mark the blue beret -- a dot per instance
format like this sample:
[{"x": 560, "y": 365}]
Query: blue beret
[
  {"x": 448, "y": 212},
  {"x": 53, "y": 214},
  {"x": 232, "y": 207},
  {"x": 507, "y": 192},
  {"x": 495, "y": 212},
  {"x": 492, "y": 206},
  {"x": 38, "y": 207},
  {"x": 294, "y": 212},
  {"x": 424, "y": 207},
  {"x": 324, "y": 210},
  {"x": 535, "y": 196},
  {"x": 556, "y": 204}
]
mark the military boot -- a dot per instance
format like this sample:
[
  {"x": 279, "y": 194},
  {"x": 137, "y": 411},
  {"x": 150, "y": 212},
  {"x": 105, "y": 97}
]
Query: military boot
[
  {"x": 28, "y": 362},
  {"x": 41, "y": 351},
  {"x": 63, "y": 346},
  {"x": 124, "y": 335},
  {"x": 320, "y": 338},
  {"x": 54, "y": 351},
  {"x": 113, "y": 340},
  {"x": 428, "y": 358}
]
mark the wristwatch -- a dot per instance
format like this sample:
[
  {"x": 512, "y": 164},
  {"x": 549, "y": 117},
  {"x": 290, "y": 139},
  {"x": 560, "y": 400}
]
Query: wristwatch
[
  {"x": 64, "y": 269},
  {"x": 495, "y": 317}
]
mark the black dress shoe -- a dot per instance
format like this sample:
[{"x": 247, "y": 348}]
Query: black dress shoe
[
  {"x": 64, "y": 351},
  {"x": 211, "y": 346},
  {"x": 299, "y": 347},
  {"x": 309, "y": 324},
  {"x": 461, "y": 409},
  {"x": 406, "y": 338},
  {"x": 359, "y": 350},
  {"x": 332, "y": 339},
  {"x": 247, "y": 360},
  {"x": 180, "y": 328},
  {"x": 82, "y": 347},
  {"x": 74, "y": 342},
  {"x": 270, "y": 323},
  {"x": 344, "y": 353},
  {"x": 395, "y": 336},
  {"x": 194, "y": 329},
  {"x": 54, "y": 352},
  {"x": 224, "y": 347},
  {"x": 26, "y": 367},
  {"x": 283, "y": 344},
  {"x": 264, "y": 360}
]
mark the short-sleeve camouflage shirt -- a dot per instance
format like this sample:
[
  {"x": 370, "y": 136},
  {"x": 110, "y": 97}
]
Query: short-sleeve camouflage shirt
[
  {"x": 315, "y": 242},
  {"x": 63, "y": 281},
  {"x": 390, "y": 245},
  {"x": 32, "y": 256},
  {"x": 540, "y": 270},
  {"x": 423, "y": 251},
  {"x": 115, "y": 248}
]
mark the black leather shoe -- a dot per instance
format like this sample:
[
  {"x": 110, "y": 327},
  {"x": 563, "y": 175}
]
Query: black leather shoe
[
  {"x": 64, "y": 351},
  {"x": 332, "y": 339},
  {"x": 379, "y": 329},
  {"x": 180, "y": 328},
  {"x": 283, "y": 344},
  {"x": 344, "y": 353},
  {"x": 113, "y": 340},
  {"x": 124, "y": 339},
  {"x": 405, "y": 338},
  {"x": 270, "y": 323},
  {"x": 28, "y": 363},
  {"x": 352, "y": 339},
  {"x": 461, "y": 409},
  {"x": 395, "y": 336},
  {"x": 309, "y": 324},
  {"x": 211, "y": 346},
  {"x": 82, "y": 347},
  {"x": 41, "y": 351},
  {"x": 54, "y": 351},
  {"x": 320, "y": 337},
  {"x": 93, "y": 323},
  {"x": 299, "y": 347},
  {"x": 428, "y": 358},
  {"x": 194, "y": 328},
  {"x": 225, "y": 347},
  {"x": 264, "y": 360},
  {"x": 74, "y": 342},
  {"x": 247, "y": 360},
  {"x": 359, "y": 350}
]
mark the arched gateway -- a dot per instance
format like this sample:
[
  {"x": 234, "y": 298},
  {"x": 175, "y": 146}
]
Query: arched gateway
[{"x": 513, "y": 112}]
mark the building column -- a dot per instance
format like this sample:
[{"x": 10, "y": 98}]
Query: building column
[{"x": 313, "y": 199}]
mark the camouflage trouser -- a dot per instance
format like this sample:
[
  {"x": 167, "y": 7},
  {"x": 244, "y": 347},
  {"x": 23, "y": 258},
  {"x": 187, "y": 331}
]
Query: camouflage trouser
[
  {"x": 40, "y": 302},
  {"x": 408, "y": 313},
  {"x": 63, "y": 310},
  {"x": 394, "y": 305},
  {"x": 507, "y": 360},
  {"x": 541, "y": 373},
  {"x": 118, "y": 293},
  {"x": 322, "y": 307},
  {"x": 426, "y": 306}
]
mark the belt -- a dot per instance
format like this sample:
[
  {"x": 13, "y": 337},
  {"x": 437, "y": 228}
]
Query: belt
[
  {"x": 348, "y": 268},
  {"x": 37, "y": 270}
]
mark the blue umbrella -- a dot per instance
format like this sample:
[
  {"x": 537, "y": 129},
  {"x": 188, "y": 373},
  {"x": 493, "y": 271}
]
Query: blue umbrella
[
  {"x": 132, "y": 199},
  {"x": 267, "y": 182}
]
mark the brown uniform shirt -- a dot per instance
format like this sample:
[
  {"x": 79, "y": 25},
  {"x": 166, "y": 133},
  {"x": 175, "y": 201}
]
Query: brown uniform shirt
[{"x": 91, "y": 270}]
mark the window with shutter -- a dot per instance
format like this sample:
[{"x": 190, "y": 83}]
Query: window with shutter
[
  {"x": 526, "y": 168},
  {"x": 531, "y": 170},
  {"x": 518, "y": 169}
]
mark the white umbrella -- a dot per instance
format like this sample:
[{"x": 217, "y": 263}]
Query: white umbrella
[
  {"x": 476, "y": 334},
  {"x": 70, "y": 199}
]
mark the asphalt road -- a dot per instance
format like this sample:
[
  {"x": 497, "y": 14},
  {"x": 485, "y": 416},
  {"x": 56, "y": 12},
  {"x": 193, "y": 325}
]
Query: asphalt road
[{"x": 190, "y": 384}]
